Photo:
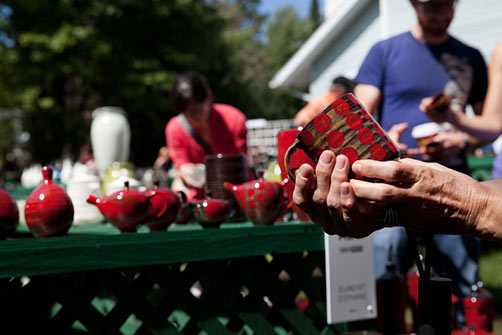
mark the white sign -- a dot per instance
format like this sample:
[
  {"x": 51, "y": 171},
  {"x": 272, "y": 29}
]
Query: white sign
[{"x": 350, "y": 279}]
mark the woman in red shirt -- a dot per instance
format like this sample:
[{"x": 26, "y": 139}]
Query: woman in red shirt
[{"x": 200, "y": 128}]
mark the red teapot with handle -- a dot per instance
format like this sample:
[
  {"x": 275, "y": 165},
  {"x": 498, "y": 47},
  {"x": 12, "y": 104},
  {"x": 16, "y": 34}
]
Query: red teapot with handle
[
  {"x": 164, "y": 208},
  {"x": 262, "y": 201},
  {"x": 9, "y": 215},
  {"x": 126, "y": 209},
  {"x": 48, "y": 210}
]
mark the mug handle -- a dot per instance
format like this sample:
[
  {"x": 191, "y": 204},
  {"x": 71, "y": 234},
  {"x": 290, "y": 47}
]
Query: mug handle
[{"x": 296, "y": 155}]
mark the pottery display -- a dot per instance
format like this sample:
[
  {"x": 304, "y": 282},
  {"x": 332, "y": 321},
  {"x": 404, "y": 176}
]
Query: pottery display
[
  {"x": 118, "y": 184},
  {"x": 116, "y": 174},
  {"x": 48, "y": 210},
  {"x": 262, "y": 201},
  {"x": 78, "y": 188},
  {"x": 210, "y": 212},
  {"x": 9, "y": 215},
  {"x": 126, "y": 209},
  {"x": 184, "y": 215},
  {"x": 168, "y": 205},
  {"x": 110, "y": 137},
  {"x": 220, "y": 168},
  {"x": 31, "y": 176},
  {"x": 285, "y": 139},
  {"x": 344, "y": 127}
]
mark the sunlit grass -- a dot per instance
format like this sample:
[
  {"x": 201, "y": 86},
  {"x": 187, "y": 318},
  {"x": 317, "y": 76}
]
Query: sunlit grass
[{"x": 491, "y": 273}]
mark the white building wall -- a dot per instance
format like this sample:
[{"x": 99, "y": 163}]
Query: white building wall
[
  {"x": 477, "y": 23},
  {"x": 346, "y": 55}
]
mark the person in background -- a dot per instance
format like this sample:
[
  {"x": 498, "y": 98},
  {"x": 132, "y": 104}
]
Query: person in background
[
  {"x": 487, "y": 126},
  {"x": 392, "y": 81},
  {"x": 86, "y": 156},
  {"x": 339, "y": 87},
  {"x": 163, "y": 161},
  {"x": 201, "y": 128}
]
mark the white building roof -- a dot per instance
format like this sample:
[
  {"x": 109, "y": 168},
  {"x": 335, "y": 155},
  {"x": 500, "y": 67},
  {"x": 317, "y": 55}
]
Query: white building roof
[{"x": 295, "y": 74}]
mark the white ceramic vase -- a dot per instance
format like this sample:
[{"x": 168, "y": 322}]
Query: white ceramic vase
[{"x": 110, "y": 137}]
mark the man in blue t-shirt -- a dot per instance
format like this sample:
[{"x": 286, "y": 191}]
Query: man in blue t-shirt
[{"x": 392, "y": 81}]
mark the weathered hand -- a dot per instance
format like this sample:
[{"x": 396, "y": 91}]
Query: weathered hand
[
  {"x": 427, "y": 196},
  {"x": 328, "y": 198}
]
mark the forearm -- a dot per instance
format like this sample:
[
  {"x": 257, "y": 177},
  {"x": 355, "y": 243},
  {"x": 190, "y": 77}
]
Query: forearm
[
  {"x": 489, "y": 219},
  {"x": 369, "y": 96},
  {"x": 480, "y": 127}
]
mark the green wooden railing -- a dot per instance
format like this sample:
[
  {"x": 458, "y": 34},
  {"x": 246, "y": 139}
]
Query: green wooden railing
[
  {"x": 237, "y": 279},
  {"x": 481, "y": 167}
]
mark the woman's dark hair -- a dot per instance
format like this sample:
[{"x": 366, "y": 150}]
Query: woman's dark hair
[{"x": 189, "y": 86}]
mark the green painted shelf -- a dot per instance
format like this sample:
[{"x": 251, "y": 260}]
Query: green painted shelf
[{"x": 100, "y": 246}]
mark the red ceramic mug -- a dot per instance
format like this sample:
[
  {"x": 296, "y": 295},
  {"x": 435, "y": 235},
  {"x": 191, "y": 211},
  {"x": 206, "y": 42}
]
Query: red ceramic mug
[
  {"x": 344, "y": 127},
  {"x": 285, "y": 139}
]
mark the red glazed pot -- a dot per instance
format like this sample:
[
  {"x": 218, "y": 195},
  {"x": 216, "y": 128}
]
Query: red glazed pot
[
  {"x": 210, "y": 212},
  {"x": 164, "y": 208},
  {"x": 9, "y": 215},
  {"x": 48, "y": 210},
  {"x": 285, "y": 139},
  {"x": 262, "y": 201},
  {"x": 125, "y": 209}
]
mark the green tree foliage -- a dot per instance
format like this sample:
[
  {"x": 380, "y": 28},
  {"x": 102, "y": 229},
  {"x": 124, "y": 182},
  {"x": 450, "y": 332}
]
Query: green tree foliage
[
  {"x": 61, "y": 59},
  {"x": 286, "y": 32},
  {"x": 315, "y": 16},
  {"x": 69, "y": 57}
]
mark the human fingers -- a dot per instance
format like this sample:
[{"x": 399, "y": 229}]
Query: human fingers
[
  {"x": 302, "y": 196},
  {"x": 418, "y": 163},
  {"x": 425, "y": 103},
  {"x": 347, "y": 195},
  {"x": 448, "y": 139},
  {"x": 352, "y": 224},
  {"x": 323, "y": 173},
  {"x": 427, "y": 165},
  {"x": 391, "y": 171},
  {"x": 302, "y": 193},
  {"x": 380, "y": 192},
  {"x": 360, "y": 217},
  {"x": 339, "y": 175}
]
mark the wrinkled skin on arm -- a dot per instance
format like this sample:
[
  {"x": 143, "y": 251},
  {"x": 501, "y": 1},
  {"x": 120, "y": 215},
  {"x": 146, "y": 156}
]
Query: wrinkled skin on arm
[{"x": 427, "y": 196}]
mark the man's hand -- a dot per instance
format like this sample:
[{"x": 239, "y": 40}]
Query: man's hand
[{"x": 328, "y": 198}]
